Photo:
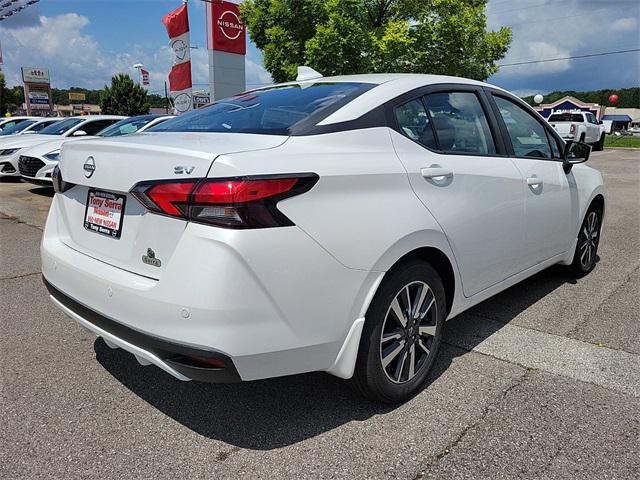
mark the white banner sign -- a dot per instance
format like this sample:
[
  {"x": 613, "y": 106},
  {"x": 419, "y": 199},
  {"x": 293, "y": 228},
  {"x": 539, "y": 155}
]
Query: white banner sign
[{"x": 35, "y": 75}]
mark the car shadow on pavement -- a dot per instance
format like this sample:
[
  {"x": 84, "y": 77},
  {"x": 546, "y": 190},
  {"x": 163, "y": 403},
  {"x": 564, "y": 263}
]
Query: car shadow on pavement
[
  {"x": 475, "y": 325},
  {"x": 43, "y": 191},
  {"x": 274, "y": 413}
]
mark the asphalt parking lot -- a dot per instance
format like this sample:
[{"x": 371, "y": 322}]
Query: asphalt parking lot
[{"x": 542, "y": 381}]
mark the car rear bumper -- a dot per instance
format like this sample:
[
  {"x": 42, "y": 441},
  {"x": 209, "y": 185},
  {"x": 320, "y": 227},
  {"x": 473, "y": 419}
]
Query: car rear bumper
[
  {"x": 271, "y": 303},
  {"x": 181, "y": 361}
]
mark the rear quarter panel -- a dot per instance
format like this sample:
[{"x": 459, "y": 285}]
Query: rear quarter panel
[{"x": 362, "y": 210}]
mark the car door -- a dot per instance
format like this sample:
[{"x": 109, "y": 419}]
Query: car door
[
  {"x": 550, "y": 192},
  {"x": 447, "y": 140}
]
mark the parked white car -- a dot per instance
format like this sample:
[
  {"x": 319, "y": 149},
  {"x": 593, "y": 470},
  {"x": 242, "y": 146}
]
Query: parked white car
[
  {"x": 28, "y": 127},
  {"x": 580, "y": 126},
  {"x": 8, "y": 122},
  {"x": 327, "y": 224},
  {"x": 12, "y": 147},
  {"x": 36, "y": 164}
]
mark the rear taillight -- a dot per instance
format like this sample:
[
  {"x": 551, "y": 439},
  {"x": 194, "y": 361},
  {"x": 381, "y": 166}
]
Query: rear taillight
[
  {"x": 239, "y": 202},
  {"x": 59, "y": 185},
  {"x": 572, "y": 129}
]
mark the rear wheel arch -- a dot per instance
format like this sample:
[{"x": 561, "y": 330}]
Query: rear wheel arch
[
  {"x": 598, "y": 201},
  {"x": 440, "y": 262}
]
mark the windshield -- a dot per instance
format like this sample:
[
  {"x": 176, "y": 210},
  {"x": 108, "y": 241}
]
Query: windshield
[
  {"x": 61, "y": 127},
  {"x": 566, "y": 117},
  {"x": 272, "y": 111},
  {"x": 126, "y": 126},
  {"x": 17, "y": 127}
]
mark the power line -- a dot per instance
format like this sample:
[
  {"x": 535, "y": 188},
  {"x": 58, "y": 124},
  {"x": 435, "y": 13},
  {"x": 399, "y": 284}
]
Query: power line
[{"x": 570, "y": 58}]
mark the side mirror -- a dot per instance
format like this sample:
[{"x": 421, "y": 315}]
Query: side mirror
[
  {"x": 79, "y": 133},
  {"x": 600, "y": 122},
  {"x": 574, "y": 153}
]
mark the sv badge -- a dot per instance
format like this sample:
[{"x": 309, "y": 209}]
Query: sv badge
[{"x": 180, "y": 169}]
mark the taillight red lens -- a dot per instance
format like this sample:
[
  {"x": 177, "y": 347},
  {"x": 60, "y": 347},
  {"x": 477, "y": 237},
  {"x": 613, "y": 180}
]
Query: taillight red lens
[
  {"x": 572, "y": 128},
  {"x": 245, "y": 202},
  {"x": 171, "y": 198},
  {"x": 240, "y": 191}
]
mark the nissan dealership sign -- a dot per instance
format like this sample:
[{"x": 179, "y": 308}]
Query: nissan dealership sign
[{"x": 225, "y": 30}]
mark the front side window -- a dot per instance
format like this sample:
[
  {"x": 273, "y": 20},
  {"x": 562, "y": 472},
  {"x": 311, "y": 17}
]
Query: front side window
[
  {"x": 92, "y": 128},
  {"x": 271, "y": 111},
  {"x": 42, "y": 125},
  {"x": 527, "y": 135},
  {"x": 414, "y": 123},
  {"x": 460, "y": 123}
]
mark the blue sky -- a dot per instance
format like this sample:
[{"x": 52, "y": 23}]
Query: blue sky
[{"x": 84, "y": 42}]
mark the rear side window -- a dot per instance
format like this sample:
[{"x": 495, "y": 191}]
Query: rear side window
[
  {"x": 273, "y": 111},
  {"x": 460, "y": 123},
  {"x": 528, "y": 136},
  {"x": 414, "y": 122}
]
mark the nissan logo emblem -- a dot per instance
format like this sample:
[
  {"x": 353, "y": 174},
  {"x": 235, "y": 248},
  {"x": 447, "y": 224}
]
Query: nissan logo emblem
[
  {"x": 89, "y": 167},
  {"x": 230, "y": 25}
]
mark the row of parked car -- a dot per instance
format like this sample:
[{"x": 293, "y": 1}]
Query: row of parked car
[{"x": 30, "y": 146}]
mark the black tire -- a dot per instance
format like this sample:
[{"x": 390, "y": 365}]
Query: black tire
[
  {"x": 599, "y": 145},
  {"x": 584, "y": 258},
  {"x": 581, "y": 138},
  {"x": 372, "y": 379}
]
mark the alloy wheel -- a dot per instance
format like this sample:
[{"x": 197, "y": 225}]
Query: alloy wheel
[
  {"x": 589, "y": 240},
  {"x": 408, "y": 332}
]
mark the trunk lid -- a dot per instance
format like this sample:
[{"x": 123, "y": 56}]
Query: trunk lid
[
  {"x": 140, "y": 242},
  {"x": 563, "y": 128}
]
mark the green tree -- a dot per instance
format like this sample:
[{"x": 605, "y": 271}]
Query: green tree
[
  {"x": 124, "y": 97},
  {"x": 357, "y": 36}
]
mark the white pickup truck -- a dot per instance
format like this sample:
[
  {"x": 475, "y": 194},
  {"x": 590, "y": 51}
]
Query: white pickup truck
[{"x": 579, "y": 126}]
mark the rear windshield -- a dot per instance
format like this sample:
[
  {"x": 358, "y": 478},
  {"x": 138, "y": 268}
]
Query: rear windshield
[
  {"x": 272, "y": 111},
  {"x": 566, "y": 117},
  {"x": 61, "y": 127},
  {"x": 18, "y": 127}
]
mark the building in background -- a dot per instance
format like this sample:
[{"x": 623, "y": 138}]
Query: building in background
[{"x": 615, "y": 119}]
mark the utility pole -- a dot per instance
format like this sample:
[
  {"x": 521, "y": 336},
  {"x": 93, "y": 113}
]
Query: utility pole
[
  {"x": 166, "y": 98},
  {"x": 138, "y": 67}
]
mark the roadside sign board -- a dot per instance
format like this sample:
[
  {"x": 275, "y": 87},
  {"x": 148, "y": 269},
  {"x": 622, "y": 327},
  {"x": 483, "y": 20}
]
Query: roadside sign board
[
  {"x": 201, "y": 99},
  {"x": 226, "y": 31},
  {"x": 39, "y": 100},
  {"x": 77, "y": 96},
  {"x": 35, "y": 75}
]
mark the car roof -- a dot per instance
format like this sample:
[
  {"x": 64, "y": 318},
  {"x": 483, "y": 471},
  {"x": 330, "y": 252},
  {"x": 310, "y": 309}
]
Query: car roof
[
  {"x": 387, "y": 87},
  {"x": 99, "y": 117}
]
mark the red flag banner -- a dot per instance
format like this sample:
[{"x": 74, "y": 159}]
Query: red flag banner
[
  {"x": 145, "y": 77},
  {"x": 177, "y": 25}
]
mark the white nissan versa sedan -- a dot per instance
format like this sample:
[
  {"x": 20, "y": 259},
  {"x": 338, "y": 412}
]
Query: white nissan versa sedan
[{"x": 328, "y": 224}]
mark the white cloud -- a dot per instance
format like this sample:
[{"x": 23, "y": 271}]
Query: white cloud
[
  {"x": 549, "y": 29},
  {"x": 624, "y": 24},
  {"x": 74, "y": 58}
]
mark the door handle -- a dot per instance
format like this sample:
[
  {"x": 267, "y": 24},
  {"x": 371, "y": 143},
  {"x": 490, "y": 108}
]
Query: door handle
[
  {"x": 436, "y": 172},
  {"x": 534, "y": 181}
]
